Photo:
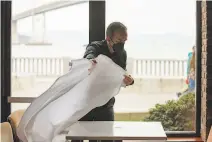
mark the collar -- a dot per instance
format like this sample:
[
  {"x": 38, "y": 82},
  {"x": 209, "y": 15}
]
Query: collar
[{"x": 110, "y": 49}]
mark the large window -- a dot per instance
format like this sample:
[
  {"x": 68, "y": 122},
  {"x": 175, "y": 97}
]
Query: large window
[
  {"x": 161, "y": 35},
  {"x": 44, "y": 42}
]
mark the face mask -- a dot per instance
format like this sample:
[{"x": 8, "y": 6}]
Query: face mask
[{"x": 118, "y": 47}]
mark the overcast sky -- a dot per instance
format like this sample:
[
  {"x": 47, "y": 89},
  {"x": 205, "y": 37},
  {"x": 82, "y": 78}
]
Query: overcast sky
[
  {"x": 140, "y": 16},
  {"x": 146, "y": 16}
]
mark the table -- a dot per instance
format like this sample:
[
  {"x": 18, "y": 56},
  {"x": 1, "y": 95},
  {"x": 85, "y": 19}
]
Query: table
[{"x": 117, "y": 130}]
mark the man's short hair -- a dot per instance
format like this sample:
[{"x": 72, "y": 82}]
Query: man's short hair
[{"x": 115, "y": 27}]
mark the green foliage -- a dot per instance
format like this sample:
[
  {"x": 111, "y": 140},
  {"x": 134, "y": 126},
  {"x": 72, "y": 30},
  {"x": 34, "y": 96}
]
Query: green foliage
[{"x": 175, "y": 115}]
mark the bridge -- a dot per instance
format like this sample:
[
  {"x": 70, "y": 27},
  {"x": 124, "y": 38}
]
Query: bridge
[{"x": 38, "y": 17}]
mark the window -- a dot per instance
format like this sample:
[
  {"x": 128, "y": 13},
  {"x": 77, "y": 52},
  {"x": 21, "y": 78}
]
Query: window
[
  {"x": 44, "y": 42},
  {"x": 161, "y": 34}
]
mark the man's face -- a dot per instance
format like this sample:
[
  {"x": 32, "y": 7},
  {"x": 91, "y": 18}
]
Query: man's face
[{"x": 119, "y": 37}]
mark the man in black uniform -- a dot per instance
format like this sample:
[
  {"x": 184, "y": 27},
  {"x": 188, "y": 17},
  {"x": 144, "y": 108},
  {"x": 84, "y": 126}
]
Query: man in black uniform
[{"x": 112, "y": 47}]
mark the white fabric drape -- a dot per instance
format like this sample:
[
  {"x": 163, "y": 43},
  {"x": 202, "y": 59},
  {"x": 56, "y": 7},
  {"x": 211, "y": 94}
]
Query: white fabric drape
[{"x": 71, "y": 97}]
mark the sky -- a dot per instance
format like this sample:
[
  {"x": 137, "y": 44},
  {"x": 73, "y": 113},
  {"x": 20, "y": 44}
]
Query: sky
[
  {"x": 153, "y": 15},
  {"x": 146, "y": 17}
]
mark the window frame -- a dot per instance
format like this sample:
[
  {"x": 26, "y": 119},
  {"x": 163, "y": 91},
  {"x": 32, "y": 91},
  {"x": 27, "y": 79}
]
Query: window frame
[
  {"x": 96, "y": 31},
  {"x": 5, "y": 59}
]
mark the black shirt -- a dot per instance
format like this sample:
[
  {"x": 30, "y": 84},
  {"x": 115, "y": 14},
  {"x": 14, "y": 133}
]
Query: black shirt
[{"x": 100, "y": 47}]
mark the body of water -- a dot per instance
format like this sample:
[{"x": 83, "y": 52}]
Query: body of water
[
  {"x": 73, "y": 44},
  {"x": 77, "y": 51}
]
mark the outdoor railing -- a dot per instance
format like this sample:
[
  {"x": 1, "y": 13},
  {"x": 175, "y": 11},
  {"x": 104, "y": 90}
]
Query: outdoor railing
[{"x": 140, "y": 68}]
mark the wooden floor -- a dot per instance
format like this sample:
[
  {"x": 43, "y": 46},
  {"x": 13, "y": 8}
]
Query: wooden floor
[
  {"x": 194, "y": 139},
  {"x": 198, "y": 139}
]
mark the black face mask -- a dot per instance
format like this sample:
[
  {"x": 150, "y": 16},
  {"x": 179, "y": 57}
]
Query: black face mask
[{"x": 118, "y": 47}]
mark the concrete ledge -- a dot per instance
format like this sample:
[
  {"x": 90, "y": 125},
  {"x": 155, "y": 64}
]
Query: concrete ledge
[
  {"x": 141, "y": 86},
  {"x": 22, "y": 82},
  {"x": 130, "y": 116},
  {"x": 151, "y": 85}
]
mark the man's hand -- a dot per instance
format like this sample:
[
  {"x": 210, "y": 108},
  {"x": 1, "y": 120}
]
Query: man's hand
[
  {"x": 128, "y": 80},
  {"x": 92, "y": 66}
]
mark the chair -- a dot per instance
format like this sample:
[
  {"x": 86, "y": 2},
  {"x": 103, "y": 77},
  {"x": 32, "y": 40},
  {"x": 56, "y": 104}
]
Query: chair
[
  {"x": 6, "y": 134},
  {"x": 14, "y": 119}
]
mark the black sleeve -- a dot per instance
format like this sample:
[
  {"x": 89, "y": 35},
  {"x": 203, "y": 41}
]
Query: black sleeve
[
  {"x": 91, "y": 52},
  {"x": 125, "y": 66},
  {"x": 125, "y": 60}
]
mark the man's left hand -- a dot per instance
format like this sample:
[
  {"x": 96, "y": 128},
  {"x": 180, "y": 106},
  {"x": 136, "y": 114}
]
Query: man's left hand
[{"x": 128, "y": 80}]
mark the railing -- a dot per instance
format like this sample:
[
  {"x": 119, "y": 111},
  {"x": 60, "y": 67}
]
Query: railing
[
  {"x": 159, "y": 68},
  {"x": 140, "y": 68},
  {"x": 39, "y": 66}
]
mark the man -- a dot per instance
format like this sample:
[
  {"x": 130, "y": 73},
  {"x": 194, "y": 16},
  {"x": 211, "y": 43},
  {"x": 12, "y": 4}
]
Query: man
[{"x": 112, "y": 47}]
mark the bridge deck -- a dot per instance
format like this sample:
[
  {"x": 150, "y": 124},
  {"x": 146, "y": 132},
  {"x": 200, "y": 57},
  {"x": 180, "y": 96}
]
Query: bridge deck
[{"x": 45, "y": 8}]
